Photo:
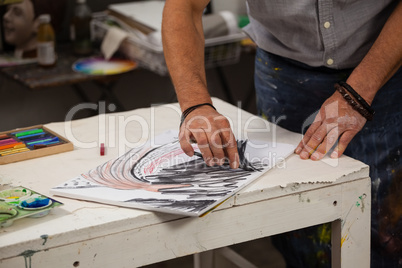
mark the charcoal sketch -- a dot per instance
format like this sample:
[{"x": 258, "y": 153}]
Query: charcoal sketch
[{"x": 163, "y": 179}]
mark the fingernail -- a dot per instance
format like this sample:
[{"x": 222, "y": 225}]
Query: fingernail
[
  {"x": 315, "y": 156},
  {"x": 234, "y": 165},
  {"x": 304, "y": 155},
  {"x": 334, "y": 154},
  {"x": 298, "y": 150}
]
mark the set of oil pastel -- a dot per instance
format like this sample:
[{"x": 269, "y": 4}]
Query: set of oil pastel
[
  {"x": 32, "y": 142},
  {"x": 26, "y": 140}
]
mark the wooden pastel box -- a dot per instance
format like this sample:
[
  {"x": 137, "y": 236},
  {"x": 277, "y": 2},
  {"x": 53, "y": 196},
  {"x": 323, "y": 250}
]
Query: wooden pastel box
[{"x": 27, "y": 143}]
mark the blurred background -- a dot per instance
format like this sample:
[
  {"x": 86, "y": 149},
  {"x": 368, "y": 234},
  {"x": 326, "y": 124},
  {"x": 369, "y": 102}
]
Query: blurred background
[{"x": 22, "y": 107}]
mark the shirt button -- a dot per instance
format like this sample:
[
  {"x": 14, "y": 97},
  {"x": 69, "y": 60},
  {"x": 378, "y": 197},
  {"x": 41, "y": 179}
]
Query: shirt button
[
  {"x": 327, "y": 24},
  {"x": 330, "y": 61}
]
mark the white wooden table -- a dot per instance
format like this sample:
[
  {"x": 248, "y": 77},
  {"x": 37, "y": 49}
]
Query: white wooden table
[{"x": 295, "y": 195}]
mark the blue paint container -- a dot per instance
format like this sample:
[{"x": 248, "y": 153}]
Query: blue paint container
[{"x": 37, "y": 203}]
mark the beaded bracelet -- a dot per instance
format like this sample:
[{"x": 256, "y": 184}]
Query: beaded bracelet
[
  {"x": 357, "y": 96},
  {"x": 192, "y": 108},
  {"x": 355, "y": 105}
]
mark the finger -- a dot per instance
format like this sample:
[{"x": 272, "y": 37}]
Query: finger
[
  {"x": 328, "y": 142},
  {"x": 184, "y": 139},
  {"x": 344, "y": 140},
  {"x": 216, "y": 147},
  {"x": 197, "y": 127},
  {"x": 203, "y": 145},
  {"x": 310, "y": 131},
  {"x": 219, "y": 139},
  {"x": 316, "y": 138},
  {"x": 230, "y": 145}
]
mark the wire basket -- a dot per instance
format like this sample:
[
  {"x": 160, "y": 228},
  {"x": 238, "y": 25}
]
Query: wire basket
[{"x": 219, "y": 51}]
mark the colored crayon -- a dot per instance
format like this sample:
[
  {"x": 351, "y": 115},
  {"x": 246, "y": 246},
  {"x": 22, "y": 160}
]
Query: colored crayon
[
  {"x": 40, "y": 146},
  {"x": 51, "y": 143},
  {"x": 102, "y": 149},
  {"x": 28, "y": 132},
  {"x": 13, "y": 148},
  {"x": 15, "y": 151},
  {"x": 22, "y": 131},
  {"x": 12, "y": 145},
  {"x": 45, "y": 137},
  {"x": 45, "y": 144},
  {"x": 7, "y": 141},
  {"x": 33, "y": 136},
  {"x": 43, "y": 141},
  {"x": 4, "y": 136}
]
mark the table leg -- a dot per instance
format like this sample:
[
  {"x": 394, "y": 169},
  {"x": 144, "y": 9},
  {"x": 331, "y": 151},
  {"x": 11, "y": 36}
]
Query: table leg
[
  {"x": 204, "y": 259},
  {"x": 221, "y": 258},
  {"x": 80, "y": 92},
  {"x": 108, "y": 94},
  {"x": 106, "y": 89},
  {"x": 351, "y": 233}
]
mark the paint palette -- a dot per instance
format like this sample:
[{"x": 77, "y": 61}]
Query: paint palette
[
  {"x": 7, "y": 213},
  {"x": 15, "y": 195},
  {"x": 20, "y": 202},
  {"x": 100, "y": 66}
]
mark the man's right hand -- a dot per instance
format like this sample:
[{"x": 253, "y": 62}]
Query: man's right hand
[{"x": 212, "y": 132}]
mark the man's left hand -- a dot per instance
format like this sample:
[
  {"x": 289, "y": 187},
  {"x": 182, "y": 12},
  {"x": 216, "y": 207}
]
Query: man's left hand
[{"x": 336, "y": 120}]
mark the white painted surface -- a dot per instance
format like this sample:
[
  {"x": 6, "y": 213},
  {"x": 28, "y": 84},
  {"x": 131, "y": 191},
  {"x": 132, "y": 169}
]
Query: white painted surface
[{"x": 98, "y": 235}]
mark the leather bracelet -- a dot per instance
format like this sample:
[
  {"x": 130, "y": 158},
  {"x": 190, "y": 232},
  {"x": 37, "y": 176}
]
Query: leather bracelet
[
  {"x": 357, "y": 97},
  {"x": 355, "y": 105},
  {"x": 192, "y": 108}
]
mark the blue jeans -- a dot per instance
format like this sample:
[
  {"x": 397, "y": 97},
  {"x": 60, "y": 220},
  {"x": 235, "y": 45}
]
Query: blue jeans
[{"x": 288, "y": 93}]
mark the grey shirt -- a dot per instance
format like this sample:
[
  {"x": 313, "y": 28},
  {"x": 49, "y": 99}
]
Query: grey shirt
[{"x": 332, "y": 33}]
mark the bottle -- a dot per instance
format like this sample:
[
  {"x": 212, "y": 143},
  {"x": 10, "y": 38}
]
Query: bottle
[
  {"x": 80, "y": 29},
  {"x": 46, "y": 42}
]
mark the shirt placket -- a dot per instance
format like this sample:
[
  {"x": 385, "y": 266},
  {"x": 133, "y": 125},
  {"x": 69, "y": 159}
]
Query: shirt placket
[{"x": 327, "y": 28}]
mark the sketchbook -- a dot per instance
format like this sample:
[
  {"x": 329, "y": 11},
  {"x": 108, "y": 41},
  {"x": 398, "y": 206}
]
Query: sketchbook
[{"x": 162, "y": 178}]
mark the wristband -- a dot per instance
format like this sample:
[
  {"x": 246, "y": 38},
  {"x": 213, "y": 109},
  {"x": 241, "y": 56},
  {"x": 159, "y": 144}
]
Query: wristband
[
  {"x": 355, "y": 105},
  {"x": 357, "y": 97},
  {"x": 192, "y": 108}
]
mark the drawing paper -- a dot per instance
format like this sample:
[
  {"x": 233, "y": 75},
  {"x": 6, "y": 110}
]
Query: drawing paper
[
  {"x": 163, "y": 178},
  {"x": 148, "y": 13}
]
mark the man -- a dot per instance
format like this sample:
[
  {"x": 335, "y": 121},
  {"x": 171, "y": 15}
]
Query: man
[{"x": 304, "y": 48}]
